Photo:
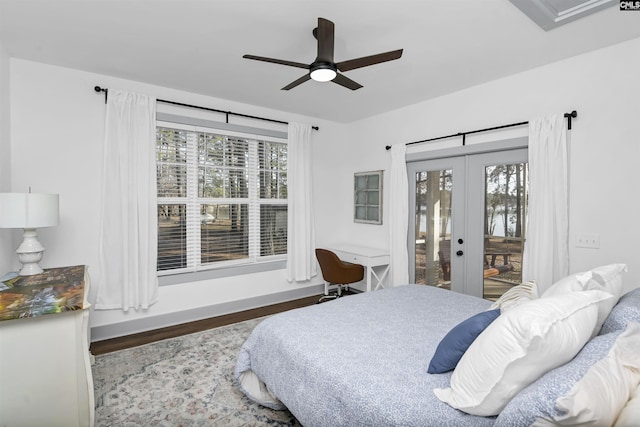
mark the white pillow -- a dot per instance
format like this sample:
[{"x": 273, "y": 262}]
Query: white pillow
[
  {"x": 515, "y": 296},
  {"x": 602, "y": 393},
  {"x": 629, "y": 415},
  {"x": 519, "y": 347},
  {"x": 570, "y": 283},
  {"x": 607, "y": 278}
]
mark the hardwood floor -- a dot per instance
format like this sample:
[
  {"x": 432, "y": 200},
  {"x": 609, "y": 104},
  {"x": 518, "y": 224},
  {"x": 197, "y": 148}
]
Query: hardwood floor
[{"x": 120, "y": 343}]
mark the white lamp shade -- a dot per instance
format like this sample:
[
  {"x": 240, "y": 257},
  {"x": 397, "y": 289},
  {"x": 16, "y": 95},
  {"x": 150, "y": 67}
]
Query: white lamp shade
[{"x": 28, "y": 210}]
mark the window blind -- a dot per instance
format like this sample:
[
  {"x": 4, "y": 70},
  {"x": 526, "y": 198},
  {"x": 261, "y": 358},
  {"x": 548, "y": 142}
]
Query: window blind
[{"x": 222, "y": 198}]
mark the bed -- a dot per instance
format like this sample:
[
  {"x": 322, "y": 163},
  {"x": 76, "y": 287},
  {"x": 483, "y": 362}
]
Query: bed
[{"x": 362, "y": 360}]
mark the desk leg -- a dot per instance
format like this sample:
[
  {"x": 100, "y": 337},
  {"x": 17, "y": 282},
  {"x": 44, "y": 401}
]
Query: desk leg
[
  {"x": 369, "y": 270},
  {"x": 380, "y": 279}
]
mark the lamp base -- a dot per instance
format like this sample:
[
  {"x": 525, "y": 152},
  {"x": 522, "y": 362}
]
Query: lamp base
[
  {"x": 30, "y": 269},
  {"x": 30, "y": 253}
]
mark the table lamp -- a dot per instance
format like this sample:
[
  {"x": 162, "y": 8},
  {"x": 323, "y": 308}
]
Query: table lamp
[{"x": 29, "y": 211}]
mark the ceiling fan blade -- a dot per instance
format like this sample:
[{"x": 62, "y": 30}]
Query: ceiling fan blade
[
  {"x": 277, "y": 61},
  {"x": 365, "y": 61},
  {"x": 346, "y": 82},
  {"x": 297, "y": 82},
  {"x": 324, "y": 34}
]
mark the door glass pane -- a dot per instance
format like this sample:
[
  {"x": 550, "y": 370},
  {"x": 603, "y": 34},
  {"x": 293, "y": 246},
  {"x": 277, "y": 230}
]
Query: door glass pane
[
  {"x": 433, "y": 228},
  {"x": 504, "y": 227}
]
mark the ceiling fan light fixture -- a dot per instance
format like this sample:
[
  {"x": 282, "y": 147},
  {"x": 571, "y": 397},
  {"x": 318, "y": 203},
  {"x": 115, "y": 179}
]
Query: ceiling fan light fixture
[
  {"x": 324, "y": 68},
  {"x": 323, "y": 72}
]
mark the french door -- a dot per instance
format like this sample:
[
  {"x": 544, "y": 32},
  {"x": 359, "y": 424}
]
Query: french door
[{"x": 468, "y": 225}]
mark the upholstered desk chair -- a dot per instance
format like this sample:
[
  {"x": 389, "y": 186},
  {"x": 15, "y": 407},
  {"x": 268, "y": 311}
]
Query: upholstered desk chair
[{"x": 337, "y": 272}]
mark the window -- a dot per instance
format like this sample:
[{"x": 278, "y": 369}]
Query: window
[
  {"x": 222, "y": 198},
  {"x": 367, "y": 197}
]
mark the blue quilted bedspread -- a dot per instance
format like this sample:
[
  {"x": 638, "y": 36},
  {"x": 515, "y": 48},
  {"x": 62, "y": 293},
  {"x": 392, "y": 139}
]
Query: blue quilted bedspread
[{"x": 361, "y": 360}]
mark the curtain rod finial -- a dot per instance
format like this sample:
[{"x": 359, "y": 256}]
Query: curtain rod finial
[
  {"x": 98, "y": 89},
  {"x": 569, "y": 116}
]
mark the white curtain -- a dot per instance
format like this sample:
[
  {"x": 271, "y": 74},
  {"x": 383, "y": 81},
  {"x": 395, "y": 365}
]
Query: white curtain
[
  {"x": 546, "y": 251},
  {"x": 398, "y": 217},
  {"x": 128, "y": 222},
  {"x": 301, "y": 238}
]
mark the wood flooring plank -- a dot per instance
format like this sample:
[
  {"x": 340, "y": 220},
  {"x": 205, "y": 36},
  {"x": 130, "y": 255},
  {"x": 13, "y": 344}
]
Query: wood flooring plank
[{"x": 120, "y": 343}]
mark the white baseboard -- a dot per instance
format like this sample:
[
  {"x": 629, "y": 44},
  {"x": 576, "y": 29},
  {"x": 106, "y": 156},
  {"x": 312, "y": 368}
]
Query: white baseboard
[{"x": 100, "y": 333}]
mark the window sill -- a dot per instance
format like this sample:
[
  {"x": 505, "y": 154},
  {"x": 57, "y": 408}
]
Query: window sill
[{"x": 218, "y": 273}]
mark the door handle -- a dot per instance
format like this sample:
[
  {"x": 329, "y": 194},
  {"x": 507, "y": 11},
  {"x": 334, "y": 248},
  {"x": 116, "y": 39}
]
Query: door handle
[{"x": 459, "y": 253}]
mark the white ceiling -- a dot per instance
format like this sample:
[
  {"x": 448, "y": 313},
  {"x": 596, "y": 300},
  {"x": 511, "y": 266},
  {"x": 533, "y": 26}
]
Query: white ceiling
[{"x": 197, "y": 45}]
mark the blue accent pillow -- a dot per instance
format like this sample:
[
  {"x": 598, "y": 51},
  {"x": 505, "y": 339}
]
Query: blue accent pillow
[{"x": 457, "y": 341}]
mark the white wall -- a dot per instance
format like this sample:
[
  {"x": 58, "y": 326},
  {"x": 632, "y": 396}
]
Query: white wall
[
  {"x": 7, "y": 249},
  {"x": 603, "y": 86},
  {"x": 57, "y": 130},
  {"x": 56, "y": 140}
]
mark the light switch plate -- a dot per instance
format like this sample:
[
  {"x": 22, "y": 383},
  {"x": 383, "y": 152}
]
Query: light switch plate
[{"x": 591, "y": 241}]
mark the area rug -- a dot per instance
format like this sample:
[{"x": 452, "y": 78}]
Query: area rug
[{"x": 184, "y": 381}]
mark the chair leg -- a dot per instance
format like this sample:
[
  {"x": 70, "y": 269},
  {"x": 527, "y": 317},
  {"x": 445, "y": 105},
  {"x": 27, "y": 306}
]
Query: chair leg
[{"x": 326, "y": 295}]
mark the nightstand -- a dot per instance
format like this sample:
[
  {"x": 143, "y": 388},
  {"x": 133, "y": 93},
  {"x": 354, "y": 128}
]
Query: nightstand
[{"x": 45, "y": 369}]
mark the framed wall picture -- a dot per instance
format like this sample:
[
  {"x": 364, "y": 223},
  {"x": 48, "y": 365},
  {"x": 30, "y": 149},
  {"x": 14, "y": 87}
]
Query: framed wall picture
[{"x": 368, "y": 197}]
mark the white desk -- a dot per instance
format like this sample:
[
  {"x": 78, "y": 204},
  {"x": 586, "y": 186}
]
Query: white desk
[{"x": 369, "y": 258}]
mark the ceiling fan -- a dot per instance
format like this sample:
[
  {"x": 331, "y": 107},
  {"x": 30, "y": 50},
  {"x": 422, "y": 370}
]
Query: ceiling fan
[{"x": 324, "y": 69}]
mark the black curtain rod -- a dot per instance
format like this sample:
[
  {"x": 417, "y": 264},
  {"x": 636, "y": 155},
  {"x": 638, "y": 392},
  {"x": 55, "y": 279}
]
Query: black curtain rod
[
  {"x": 569, "y": 116},
  {"x": 98, "y": 89}
]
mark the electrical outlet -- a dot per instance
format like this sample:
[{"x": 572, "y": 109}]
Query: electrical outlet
[{"x": 591, "y": 241}]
